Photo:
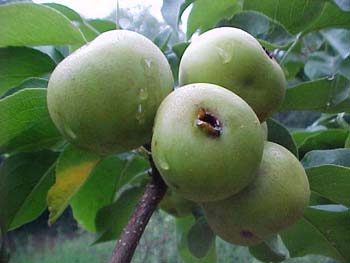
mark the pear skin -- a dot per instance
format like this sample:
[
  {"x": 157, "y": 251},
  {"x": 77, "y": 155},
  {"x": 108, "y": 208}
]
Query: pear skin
[
  {"x": 175, "y": 205},
  {"x": 232, "y": 58},
  {"x": 274, "y": 200},
  {"x": 207, "y": 142},
  {"x": 104, "y": 96}
]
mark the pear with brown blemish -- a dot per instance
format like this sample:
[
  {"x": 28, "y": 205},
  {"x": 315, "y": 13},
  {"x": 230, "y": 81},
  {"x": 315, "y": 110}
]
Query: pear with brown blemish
[
  {"x": 274, "y": 200},
  {"x": 207, "y": 142}
]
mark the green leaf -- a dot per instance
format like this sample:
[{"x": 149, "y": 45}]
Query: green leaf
[
  {"x": 300, "y": 136},
  {"x": 174, "y": 63},
  {"x": 295, "y": 15},
  {"x": 25, "y": 124},
  {"x": 292, "y": 65},
  {"x": 29, "y": 83},
  {"x": 183, "y": 7},
  {"x": 33, "y": 24},
  {"x": 331, "y": 16},
  {"x": 331, "y": 182},
  {"x": 131, "y": 175},
  {"x": 331, "y": 121},
  {"x": 322, "y": 157},
  {"x": 279, "y": 134},
  {"x": 183, "y": 227},
  {"x": 344, "y": 68},
  {"x": 102, "y": 25},
  {"x": 347, "y": 142},
  {"x": 179, "y": 48},
  {"x": 320, "y": 232},
  {"x": 200, "y": 238},
  {"x": 72, "y": 170},
  {"x": 56, "y": 53},
  {"x": 321, "y": 64},
  {"x": 134, "y": 166},
  {"x": 301, "y": 15},
  {"x": 271, "y": 250},
  {"x": 174, "y": 57},
  {"x": 333, "y": 96},
  {"x": 20, "y": 63},
  {"x": 337, "y": 38},
  {"x": 98, "y": 191},
  {"x": 111, "y": 220},
  {"x": 206, "y": 13},
  {"x": 321, "y": 140},
  {"x": 271, "y": 33},
  {"x": 66, "y": 11},
  {"x": 316, "y": 199},
  {"x": 313, "y": 41},
  {"x": 89, "y": 32},
  {"x": 24, "y": 181},
  {"x": 162, "y": 39}
]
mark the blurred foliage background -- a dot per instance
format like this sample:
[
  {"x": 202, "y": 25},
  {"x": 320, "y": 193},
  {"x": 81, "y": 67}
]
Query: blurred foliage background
[{"x": 321, "y": 52}]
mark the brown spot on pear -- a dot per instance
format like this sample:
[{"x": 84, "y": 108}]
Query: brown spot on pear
[
  {"x": 213, "y": 160},
  {"x": 274, "y": 200}
]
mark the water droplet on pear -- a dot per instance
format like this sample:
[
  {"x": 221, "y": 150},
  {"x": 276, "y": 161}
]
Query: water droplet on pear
[
  {"x": 143, "y": 94},
  {"x": 140, "y": 115},
  {"x": 225, "y": 52}
]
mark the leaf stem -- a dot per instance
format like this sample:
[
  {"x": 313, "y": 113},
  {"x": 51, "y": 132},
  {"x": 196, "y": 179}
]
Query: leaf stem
[
  {"x": 129, "y": 239},
  {"x": 296, "y": 41}
]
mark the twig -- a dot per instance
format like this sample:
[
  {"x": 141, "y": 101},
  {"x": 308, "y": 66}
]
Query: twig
[{"x": 127, "y": 243}]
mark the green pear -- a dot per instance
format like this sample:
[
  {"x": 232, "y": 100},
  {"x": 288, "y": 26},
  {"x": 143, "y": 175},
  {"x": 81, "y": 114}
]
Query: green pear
[
  {"x": 175, "y": 205},
  {"x": 274, "y": 200},
  {"x": 265, "y": 130},
  {"x": 232, "y": 58},
  {"x": 207, "y": 142},
  {"x": 104, "y": 96}
]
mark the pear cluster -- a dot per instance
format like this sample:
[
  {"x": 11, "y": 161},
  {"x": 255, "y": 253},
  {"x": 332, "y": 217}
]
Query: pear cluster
[{"x": 208, "y": 137}]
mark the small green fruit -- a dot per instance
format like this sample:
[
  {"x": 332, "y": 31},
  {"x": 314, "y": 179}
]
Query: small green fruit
[
  {"x": 274, "y": 200},
  {"x": 174, "y": 204},
  {"x": 232, "y": 58},
  {"x": 104, "y": 96},
  {"x": 207, "y": 142}
]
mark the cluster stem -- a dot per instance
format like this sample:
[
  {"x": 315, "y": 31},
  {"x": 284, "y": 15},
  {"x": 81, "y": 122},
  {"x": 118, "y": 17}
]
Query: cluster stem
[{"x": 130, "y": 237}]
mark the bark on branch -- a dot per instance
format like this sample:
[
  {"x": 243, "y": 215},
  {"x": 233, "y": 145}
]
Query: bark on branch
[{"x": 128, "y": 241}]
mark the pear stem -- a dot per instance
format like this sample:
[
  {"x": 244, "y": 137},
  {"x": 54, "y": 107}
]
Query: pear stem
[{"x": 129, "y": 239}]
